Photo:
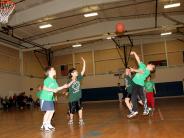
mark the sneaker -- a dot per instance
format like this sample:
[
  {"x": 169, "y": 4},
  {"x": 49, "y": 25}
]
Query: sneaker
[
  {"x": 51, "y": 127},
  {"x": 70, "y": 122},
  {"x": 41, "y": 128},
  {"x": 46, "y": 128},
  {"x": 151, "y": 111},
  {"x": 81, "y": 122},
  {"x": 146, "y": 112},
  {"x": 132, "y": 114}
]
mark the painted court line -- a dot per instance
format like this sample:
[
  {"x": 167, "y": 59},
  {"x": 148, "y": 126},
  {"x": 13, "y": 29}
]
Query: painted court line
[{"x": 160, "y": 114}]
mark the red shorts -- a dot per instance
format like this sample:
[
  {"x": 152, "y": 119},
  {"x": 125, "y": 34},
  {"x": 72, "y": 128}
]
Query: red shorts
[{"x": 150, "y": 99}]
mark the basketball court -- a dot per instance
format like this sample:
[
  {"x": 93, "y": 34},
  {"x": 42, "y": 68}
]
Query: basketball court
[{"x": 35, "y": 34}]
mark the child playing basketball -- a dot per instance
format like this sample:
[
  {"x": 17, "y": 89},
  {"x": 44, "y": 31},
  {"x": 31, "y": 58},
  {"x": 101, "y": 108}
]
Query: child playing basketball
[
  {"x": 128, "y": 88},
  {"x": 149, "y": 88},
  {"x": 138, "y": 85},
  {"x": 74, "y": 93},
  {"x": 50, "y": 87}
]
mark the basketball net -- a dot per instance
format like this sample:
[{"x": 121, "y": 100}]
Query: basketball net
[{"x": 6, "y": 8}]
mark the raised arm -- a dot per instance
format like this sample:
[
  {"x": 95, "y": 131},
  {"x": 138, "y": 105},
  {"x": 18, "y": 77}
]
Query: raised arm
[
  {"x": 84, "y": 66},
  {"x": 136, "y": 56}
]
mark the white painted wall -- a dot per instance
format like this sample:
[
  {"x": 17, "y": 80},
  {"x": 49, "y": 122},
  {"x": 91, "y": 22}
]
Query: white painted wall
[
  {"x": 162, "y": 74},
  {"x": 26, "y": 83},
  {"x": 10, "y": 84}
]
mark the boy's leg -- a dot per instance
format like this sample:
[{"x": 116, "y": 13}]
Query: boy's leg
[
  {"x": 44, "y": 107},
  {"x": 144, "y": 100},
  {"x": 80, "y": 114},
  {"x": 134, "y": 111},
  {"x": 128, "y": 104},
  {"x": 71, "y": 111},
  {"x": 71, "y": 119},
  {"x": 79, "y": 109},
  {"x": 152, "y": 101},
  {"x": 148, "y": 100},
  {"x": 49, "y": 119},
  {"x": 139, "y": 100},
  {"x": 134, "y": 98},
  {"x": 45, "y": 121}
]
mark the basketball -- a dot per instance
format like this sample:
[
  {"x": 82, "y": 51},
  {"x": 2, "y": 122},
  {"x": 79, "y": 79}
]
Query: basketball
[{"x": 120, "y": 27}]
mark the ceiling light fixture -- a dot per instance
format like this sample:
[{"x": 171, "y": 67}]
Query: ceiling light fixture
[
  {"x": 91, "y": 14},
  {"x": 77, "y": 45},
  {"x": 172, "y": 5},
  {"x": 45, "y": 26},
  {"x": 166, "y": 33}
]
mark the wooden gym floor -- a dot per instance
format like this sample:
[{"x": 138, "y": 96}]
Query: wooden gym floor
[{"x": 102, "y": 120}]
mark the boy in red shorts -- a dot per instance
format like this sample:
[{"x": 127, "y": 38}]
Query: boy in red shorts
[{"x": 149, "y": 88}]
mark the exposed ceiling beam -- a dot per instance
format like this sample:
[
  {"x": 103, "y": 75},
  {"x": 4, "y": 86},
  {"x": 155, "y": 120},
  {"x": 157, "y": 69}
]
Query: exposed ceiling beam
[
  {"x": 172, "y": 19},
  {"x": 93, "y": 21},
  {"x": 79, "y": 14},
  {"x": 102, "y": 36},
  {"x": 96, "y": 37},
  {"x": 52, "y": 8}
]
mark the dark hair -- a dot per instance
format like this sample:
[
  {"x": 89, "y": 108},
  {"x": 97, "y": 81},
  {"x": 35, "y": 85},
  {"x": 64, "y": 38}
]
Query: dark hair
[
  {"x": 47, "y": 69},
  {"x": 70, "y": 72},
  {"x": 150, "y": 62}
]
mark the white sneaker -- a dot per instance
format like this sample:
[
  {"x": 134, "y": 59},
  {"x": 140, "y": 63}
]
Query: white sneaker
[
  {"x": 132, "y": 114},
  {"x": 51, "y": 127},
  {"x": 81, "y": 122},
  {"x": 146, "y": 112},
  {"x": 41, "y": 128},
  {"x": 46, "y": 128},
  {"x": 70, "y": 122}
]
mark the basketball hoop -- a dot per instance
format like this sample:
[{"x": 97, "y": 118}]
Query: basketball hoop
[{"x": 6, "y": 8}]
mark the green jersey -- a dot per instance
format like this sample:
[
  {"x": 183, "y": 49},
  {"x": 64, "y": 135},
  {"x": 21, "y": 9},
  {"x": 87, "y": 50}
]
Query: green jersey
[
  {"x": 75, "y": 90},
  {"x": 128, "y": 84},
  {"x": 140, "y": 78},
  {"x": 149, "y": 86},
  {"x": 49, "y": 83}
]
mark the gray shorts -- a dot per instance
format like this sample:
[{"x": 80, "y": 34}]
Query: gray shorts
[{"x": 46, "y": 105}]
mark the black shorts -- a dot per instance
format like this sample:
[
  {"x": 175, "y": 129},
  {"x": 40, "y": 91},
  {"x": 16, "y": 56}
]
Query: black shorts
[
  {"x": 127, "y": 95},
  {"x": 75, "y": 106}
]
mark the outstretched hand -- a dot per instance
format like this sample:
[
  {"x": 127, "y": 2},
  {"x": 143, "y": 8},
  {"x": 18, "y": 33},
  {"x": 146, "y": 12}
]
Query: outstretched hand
[
  {"x": 84, "y": 66},
  {"x": 82, "y": 59},
  {"x": 132, "y": 53},
  {"x": 65, "y": 86}
]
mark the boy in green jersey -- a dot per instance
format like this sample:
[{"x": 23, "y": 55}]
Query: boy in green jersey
[
  {"x": 75, "y": 94},
  {"x": 149, "y": 88},
  {"x": 128, "y": 87},
  {"x": 138, "y": 85},
  {"x": 50, "y": 87}
]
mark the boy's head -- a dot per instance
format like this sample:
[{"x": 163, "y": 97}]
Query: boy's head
[
  {"x": 73, "y": 73},
  {"x": 50, "y": 71},
  {"x": 151, "y": 67}
]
